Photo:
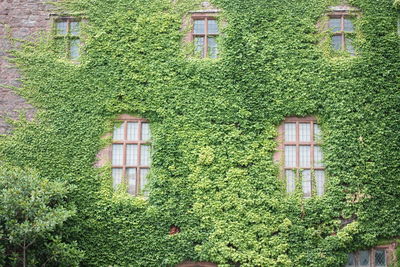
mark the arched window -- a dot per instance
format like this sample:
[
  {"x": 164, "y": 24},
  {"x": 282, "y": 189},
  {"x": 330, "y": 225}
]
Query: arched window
[
  {"x": 130, "y": 153},
  {"x": 301, "y": 155}
]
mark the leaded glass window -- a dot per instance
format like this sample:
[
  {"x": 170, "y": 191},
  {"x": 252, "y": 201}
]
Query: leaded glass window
[
  {"x": 376, "y": 257},
  {"x": 303, "y": 157},
  {"x": 131, "y": 154}
]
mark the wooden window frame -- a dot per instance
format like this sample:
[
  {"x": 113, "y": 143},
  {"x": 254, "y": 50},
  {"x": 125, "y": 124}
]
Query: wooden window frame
[
  {"x": 206, "y": 17},
  {"x": 125, "y": 119},
  {"x": 280, "y": 154},
  {"x": 68, "y": 35},
  {"x": 342, "y": 33}
]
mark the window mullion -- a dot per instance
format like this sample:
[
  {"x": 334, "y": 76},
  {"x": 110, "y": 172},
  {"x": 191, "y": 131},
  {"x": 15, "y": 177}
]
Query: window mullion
[{"x": 206, "y": 37}]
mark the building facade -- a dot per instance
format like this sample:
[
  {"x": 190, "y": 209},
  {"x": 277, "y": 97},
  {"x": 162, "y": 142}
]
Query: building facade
[{"x": 199, "y": 134}]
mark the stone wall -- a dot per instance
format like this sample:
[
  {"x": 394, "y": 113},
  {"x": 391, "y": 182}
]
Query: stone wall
[{"x": 19, "y": 19}]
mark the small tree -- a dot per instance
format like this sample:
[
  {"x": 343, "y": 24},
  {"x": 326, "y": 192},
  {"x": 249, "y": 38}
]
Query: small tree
[{"x": 31, "y": 209}]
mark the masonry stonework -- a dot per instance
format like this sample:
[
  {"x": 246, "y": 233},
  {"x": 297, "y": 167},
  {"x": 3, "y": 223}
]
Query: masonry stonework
[{"x": 19, "y": 19}]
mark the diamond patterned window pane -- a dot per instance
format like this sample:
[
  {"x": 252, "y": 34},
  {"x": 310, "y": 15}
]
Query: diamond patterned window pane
[
  {"x": 131, "y": 155},
  {"x": 132, "y": 131},
  {"x": 119, "y": 132},
  {"x": 290, "y": 181},
  {"x": 145, "y": 155},
  {"x": 306, "y": 183},
  {"x": 349, "y": 46},
  {"x": 305, "y": 156},
  {"x": 146, "y": 135},
  {"x": 351, "y": 260},
  {"x": 290, "y": 156},
  {"x": 74, "y": 49},
  {"x": 117, "y": 154},
  {"x": 337, "y": 42},
  {"x": 364, "y": 257},
  {"x": 199, "y": 46},
  {"x": 212, "y": 26},
  {"x": 317, "y": 133},
  {"x": 199, "y": 27},
  {"x": 74, "y": 28},
  {"x": 335, "y": 25},
  {"x": 212, "y": 47},
  {"x": 290, "y": 132},
  {"x": 318, "y": 157},
  {"x": 61, "y": 27},
  {"x": 320, "y": 182},
  {"x": 305, "y": 132},
  {"x": 380, "y": 258},
  {"x": 348, "y": 25},
  {"x": 131, "y": 175},
  {"x": 143, "y": 178},
  {"x": 117, "y": 176}
]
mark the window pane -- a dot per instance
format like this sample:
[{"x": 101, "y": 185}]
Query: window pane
[
  {"x": 131, "y": 155},
  {"x": 290, "y": 132},
  {"x": 317, "y": 133},
  {"x": 143, "y": 178},
  {"x": 290, "y": 156},
  {"x": 131, "y": 175},
  {"x": 351, "y": 260},
  {"x": 318, "y": 157},
  {"x": 199, "y": 46},
  {"x": 145, "y": 156},
  {"x": 349, "y": 46},
  {"x": 348, "y": 25},
  {"x": 74, "y": 49},
  {"x": 364, "y": 258},
  {"x": 199, "y": 27},
  {"x": 132, "y": 131},
  {"x": 334, "y": 24},
  {"x": 212, "y": 26},
  {"x": 305, "y": 132},
  {"x": 306, "y": 183},
  {"x": 119, "y": 132},
  {"x": 320, "y": 180},
  {"x": 61, "y": 27},
  {"x": 117, "y": 176},
  {"x": 290, "y": 181},
  {"x": 74, "y": 28},
  {"x": 305, "y": 156},
  {"x": 380, "y": 258},
  {"x": 337, "y": 42},
  {"x": 146, "y": 135},
  {"x": 117, "y": 155},
  {"x": 212, "y": 47}
]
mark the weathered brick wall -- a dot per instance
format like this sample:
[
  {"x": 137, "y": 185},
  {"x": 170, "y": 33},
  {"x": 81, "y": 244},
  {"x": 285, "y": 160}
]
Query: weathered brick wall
[{"x": 20, "y": 19}]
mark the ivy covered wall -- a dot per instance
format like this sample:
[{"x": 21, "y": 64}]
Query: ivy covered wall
[{"x": 214, "y": 124}]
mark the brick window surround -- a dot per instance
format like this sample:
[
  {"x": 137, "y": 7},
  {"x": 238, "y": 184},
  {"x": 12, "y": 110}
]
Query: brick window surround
[
  {"x": 379, "y": 256},
  {"x": 69, "y": 28},
  {"x": 204, "y": 33},
  {"x": 300, "y": 155}
]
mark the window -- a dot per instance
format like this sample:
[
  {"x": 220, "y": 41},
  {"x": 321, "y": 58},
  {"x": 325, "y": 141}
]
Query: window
[
  {"x": 130, "y": 154},
  {"x": 302, "y": 155},
  {"x": 204, "y": 35},
  {"x": 341, "y": 25},
  {"x": 68, "y": 28},
  {"x": 381, "y": 256}
]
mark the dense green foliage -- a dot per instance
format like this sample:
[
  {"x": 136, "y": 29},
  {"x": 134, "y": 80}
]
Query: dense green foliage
[
  {"x": 214, "y": 124},
  {"x": 32, "y": 210}
]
